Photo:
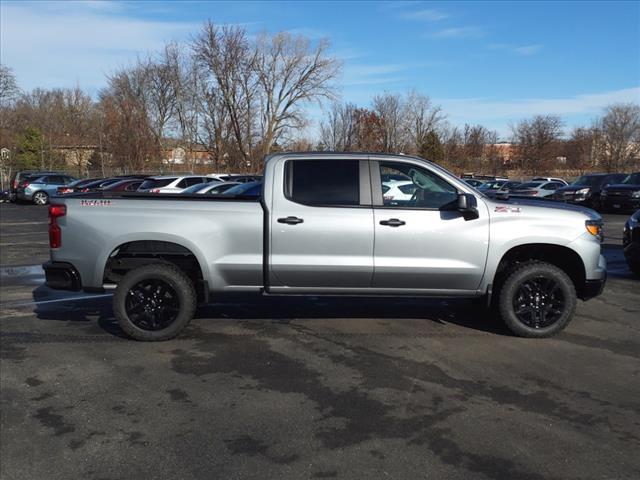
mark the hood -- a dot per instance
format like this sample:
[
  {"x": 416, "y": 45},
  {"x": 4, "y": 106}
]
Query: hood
[
  {"x": 575, "y": 188},
  {"x": 623, "y": 186},
  {"x": 543, "y": 203}
]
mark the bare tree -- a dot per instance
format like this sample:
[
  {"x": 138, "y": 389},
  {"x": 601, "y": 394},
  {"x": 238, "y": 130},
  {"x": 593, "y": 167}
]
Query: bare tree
[
  {"x": 290, "y": 72},
  {"x": 8, "y": 87},
  {"x": 619, "y": 131},
  {"x": 390, "y": 108},
  {"x": 338, "y": 129},
  {"x": 537, "y": 139},
  {"x": 421, "y": 118}
]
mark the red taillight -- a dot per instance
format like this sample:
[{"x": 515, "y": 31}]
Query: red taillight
[
  {"x": 24, "y": 184},
  {"x": 15, "y": 184},
  {"x": 155, "y": 190},
  {"x": 84, "y": 190},
  {"x": 55, "y": 234}
]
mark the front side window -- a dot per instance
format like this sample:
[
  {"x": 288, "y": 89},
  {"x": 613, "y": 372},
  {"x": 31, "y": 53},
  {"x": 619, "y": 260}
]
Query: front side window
[
  {"x": 323, "y": 182},
  {"x": 426, "y": 189}
]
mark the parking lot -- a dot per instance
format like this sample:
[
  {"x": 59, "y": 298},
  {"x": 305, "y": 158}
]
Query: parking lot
[{"x": 312, "y": 387}]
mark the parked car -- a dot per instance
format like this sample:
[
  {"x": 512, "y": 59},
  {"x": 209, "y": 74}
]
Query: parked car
[
  {"x": 483, "y": 177},
  {"x": 235, "y": 177},
  {"x": 76, "y": 186},
  {"x": 549, "y": 179},
  {"x": 623, "y": 196},
  {"x": 20, "y": 176},
  {"x": 586, "y": 189},
  {"x": 171, "y": 183},
  {"x": 124, "y": 185},
  {"x": 311, "y": 231},
  {"x": 218, "y": 188},
  {"x": 498, "y": 188},
  {"x": 473, "y": 182},
  {"x": 251, "y": 189},
  {"x": 198, "y": 186},
  {"x": 39, "y": 188},
  {"x": 631, "y": 242},
  {"x": 536, "y": 189},
  {"x": 398, "y": 190}
]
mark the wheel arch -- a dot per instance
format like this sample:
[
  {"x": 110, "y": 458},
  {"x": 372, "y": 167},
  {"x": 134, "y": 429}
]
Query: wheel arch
[
  {"x": 139, "y": 252},
  {"x": 561, "y": 256}
]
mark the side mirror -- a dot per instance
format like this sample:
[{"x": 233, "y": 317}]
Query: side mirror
[{"x": 467, "y": 204}]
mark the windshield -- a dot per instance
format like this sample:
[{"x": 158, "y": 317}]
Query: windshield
[
  {"x": 632, "y": 179},
  {"x": 150, "y": 183},
  {"x": 588, "y": 180},
  {"x": 194, "y": 188},
  {"x": 493, "y": 185},
  {"x": 253, "y": 189}
]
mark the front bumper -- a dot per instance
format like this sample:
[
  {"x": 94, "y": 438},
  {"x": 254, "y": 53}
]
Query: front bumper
[
  {"x": 624, "y": 204},
  {"x": 593, "y": 288},
  {"x": 62, "y": 276}
]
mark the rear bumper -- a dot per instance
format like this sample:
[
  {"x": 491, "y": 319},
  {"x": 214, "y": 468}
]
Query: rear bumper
[{"x": 62, "y": 276}]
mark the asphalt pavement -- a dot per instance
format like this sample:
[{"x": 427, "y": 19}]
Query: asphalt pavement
[{"x": 304, "y": 388}]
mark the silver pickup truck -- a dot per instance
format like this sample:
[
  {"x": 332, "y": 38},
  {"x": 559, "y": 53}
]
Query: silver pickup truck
[{"x": 329, "y": 224}]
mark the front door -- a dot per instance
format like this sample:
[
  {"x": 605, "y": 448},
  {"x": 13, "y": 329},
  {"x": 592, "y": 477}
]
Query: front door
[
  {"x": 421, "y": 240},
  {"x": 321, "y": 230}
]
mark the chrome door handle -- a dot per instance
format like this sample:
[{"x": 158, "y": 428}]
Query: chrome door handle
[{"x": 393, "y": 222}]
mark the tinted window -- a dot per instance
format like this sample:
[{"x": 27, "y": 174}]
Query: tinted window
[
  {"x": 633, "y": 179},
  {"x": 55, "y": 179},
  {"x": 132, "y": 187},
  {"x": 429, "y": 190},
  {"x": 223, "y": 187},
  {"x": 153, "y": 183},
  {"x": 553, "y": 186},
  {"x": 194, "y": 188},
  {"x": 589, "y": 180},
  {"x": 323, "y": 182},
  {"x": 253, "y": 189},
  {"x": 529, "y": 185}
]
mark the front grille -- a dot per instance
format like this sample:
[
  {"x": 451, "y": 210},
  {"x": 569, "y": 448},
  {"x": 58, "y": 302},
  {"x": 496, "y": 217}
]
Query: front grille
[{"x": 619, "y": 193}]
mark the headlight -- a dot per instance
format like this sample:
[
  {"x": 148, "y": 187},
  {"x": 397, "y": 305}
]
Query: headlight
[
  {"x": 583, "y": 191},
  {"x": 636, "y": 194},
  {"x": 594, "y": 227}
]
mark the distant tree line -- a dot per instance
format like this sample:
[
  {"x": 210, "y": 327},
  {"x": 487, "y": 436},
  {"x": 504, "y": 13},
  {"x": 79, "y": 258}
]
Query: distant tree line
[{"x": 232, "y": 98}]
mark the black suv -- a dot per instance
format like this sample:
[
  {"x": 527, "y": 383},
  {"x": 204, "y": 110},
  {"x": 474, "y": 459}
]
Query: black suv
[
  {"x": 623, "y": 196},
  {"x": 631, "y": 242},
  {"x": 586, "y": 189}
]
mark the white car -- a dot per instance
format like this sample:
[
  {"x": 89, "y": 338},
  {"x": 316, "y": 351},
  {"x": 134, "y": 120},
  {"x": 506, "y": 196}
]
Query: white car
[
  {"x": 398, "y": 190},
  {"x": 536, "y": 189},
  {"x": 217, "y": 188},
  {"x": 171, "y": 183},
  {"x": 549, "y": 179}
]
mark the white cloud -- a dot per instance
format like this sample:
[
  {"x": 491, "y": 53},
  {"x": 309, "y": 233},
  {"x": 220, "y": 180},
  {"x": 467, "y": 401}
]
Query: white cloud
[
  {"x": 428, "y": 15},
  {"x": 459, "y": 32},
  {"x": 522, "y": 50},
  {"x": 44, "y": 42},
  {"x": 498, "y": 113}
]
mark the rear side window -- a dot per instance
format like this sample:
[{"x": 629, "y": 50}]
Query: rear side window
[
  {"x": 323, "y": 182},
  {"x": 152, "y": 183}
]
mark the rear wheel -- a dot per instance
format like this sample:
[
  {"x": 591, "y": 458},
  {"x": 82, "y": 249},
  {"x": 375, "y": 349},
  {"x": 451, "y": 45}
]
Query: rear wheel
[
  {"x": 154, "y": 302},
  {"x": 40, "y": 198},
  {"x": 537, "y": 300}
]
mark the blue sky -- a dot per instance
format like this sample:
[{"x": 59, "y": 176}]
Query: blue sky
[{"x": 484, "y": 62}]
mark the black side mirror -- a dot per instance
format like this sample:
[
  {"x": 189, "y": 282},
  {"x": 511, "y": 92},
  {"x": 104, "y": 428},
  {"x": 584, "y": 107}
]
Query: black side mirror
[{"x": 467, "y": 204}]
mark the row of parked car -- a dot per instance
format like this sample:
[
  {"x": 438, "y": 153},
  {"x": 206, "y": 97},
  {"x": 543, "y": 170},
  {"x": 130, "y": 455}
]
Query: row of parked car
[
  {"x": 606, "y": 192},
  {"x": 39, "y": 187}
]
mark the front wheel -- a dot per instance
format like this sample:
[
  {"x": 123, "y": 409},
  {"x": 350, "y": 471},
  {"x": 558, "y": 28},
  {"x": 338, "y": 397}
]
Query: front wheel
[
  {"x": 154, "y": 302},
  {"x": 537, "y": 300},
  {"x": 40, "y": 198}
]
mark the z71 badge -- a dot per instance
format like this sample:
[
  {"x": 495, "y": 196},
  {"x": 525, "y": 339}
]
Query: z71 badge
[
  {"x": 504, "y": 209},
  {"x": 95, "y": 203}
]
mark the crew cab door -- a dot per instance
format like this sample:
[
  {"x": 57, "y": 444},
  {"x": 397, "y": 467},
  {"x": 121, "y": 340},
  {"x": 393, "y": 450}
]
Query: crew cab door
[
  {"x": 425, "y": 243},
  {"x": 321, "y": 226}
]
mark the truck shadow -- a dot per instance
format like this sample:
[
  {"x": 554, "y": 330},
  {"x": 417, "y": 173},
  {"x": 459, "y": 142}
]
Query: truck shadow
[{"x": 95, "y": 315}]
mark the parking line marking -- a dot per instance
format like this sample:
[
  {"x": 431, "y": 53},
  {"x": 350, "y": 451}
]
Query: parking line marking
[
  {"x": 69, "y": 299},
  {"x": 43, "y": 232},
  {"x": 16, "y": 224},
  {"x": 23, "y": 243}
]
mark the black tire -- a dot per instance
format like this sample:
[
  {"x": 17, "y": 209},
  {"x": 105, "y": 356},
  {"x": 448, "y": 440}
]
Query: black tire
[
  {"x": 154, "y": 302},
  {"x": 537, "y": 300},
  {"x": 40, "y": 198}
]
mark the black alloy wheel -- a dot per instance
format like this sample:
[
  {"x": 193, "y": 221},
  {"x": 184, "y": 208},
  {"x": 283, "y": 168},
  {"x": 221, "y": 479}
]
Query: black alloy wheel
[
  {"x": 539, "y": 302},
  {"x": 152, "y": 304}
]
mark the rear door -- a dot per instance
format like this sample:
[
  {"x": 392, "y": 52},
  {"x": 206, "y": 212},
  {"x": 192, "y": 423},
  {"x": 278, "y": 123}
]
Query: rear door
[
  {"x": 321, "y": 230},
  {"x": 425, "y": 243}
]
